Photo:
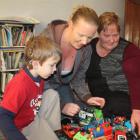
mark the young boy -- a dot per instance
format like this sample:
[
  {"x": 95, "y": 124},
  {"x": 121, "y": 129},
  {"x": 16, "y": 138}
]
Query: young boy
[{"x": 26, "y": 113}]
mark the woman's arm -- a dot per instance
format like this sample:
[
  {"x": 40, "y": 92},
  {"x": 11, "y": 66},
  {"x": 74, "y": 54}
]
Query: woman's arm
[{"x": 131, "y": 67}]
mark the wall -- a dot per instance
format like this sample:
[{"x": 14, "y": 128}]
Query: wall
[{"x": 47, "y": 10}]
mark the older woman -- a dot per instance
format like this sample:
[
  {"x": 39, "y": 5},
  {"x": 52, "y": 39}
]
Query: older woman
[{"x": 105, "y": 75}]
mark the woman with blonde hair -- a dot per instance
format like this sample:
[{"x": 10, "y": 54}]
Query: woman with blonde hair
[{"x": 74, "y": 37}]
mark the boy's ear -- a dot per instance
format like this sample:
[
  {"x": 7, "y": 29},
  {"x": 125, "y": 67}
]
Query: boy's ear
[{"x": 35, "y": 64}]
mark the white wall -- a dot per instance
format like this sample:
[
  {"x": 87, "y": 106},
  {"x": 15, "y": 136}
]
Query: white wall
[{"x": 47, "y": 10}]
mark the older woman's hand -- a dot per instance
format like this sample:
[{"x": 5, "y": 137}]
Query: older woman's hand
[{"x": 135, "y": 119}]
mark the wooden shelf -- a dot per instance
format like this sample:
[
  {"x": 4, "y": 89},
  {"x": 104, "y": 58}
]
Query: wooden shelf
[
  {"x": 12, "y": 49},
  {"x": 9, "y": 70},
  {"x": 13, "y": 37}
]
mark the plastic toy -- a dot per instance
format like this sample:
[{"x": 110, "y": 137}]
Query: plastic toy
[
  {"x": 79, "y": 136},
  {"x": 107, "y": 128},
  {"x": 92, "y": 126},
  {"x": 88, "y": 115},
  {"x": 69, "y": 129},
  {"x": 120, "y": 135}
]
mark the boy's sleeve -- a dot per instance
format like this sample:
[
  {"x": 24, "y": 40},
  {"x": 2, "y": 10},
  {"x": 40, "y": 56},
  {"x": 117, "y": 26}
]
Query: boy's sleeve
[{"x": 8, "y": 127}]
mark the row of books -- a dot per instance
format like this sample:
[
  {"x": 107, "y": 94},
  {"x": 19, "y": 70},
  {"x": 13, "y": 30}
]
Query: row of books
[
  {"x": 11, "y": 60},
  {"x": 5, "y": 78},
  {"x": 14, "y": 34}
]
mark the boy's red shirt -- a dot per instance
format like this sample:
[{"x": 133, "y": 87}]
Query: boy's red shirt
[{"x": 22, "y": 97}]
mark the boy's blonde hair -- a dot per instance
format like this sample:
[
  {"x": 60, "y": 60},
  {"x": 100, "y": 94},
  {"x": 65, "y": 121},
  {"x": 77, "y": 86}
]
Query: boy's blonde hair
[
  {"x": 106, "y": 19},
  {"x": 40, "y": 48},
  {"x": 88, "y": 14}
]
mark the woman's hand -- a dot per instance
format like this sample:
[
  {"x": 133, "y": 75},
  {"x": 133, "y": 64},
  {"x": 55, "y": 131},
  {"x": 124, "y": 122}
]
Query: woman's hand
[
  {"x": 96, "y": 101},
  {"x": 70, "y": 109},
  {"x": 135, "y": 119}
]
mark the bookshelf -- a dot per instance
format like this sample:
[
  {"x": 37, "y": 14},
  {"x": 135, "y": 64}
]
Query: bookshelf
[{"x": 14, "y": 34}]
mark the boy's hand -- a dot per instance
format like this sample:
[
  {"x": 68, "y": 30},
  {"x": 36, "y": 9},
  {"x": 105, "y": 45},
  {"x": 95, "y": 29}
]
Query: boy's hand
[
  {"x": 96, "y": 101},
  {"x": 70, "y": 109},
  {"x": 135, "y": 119}
]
